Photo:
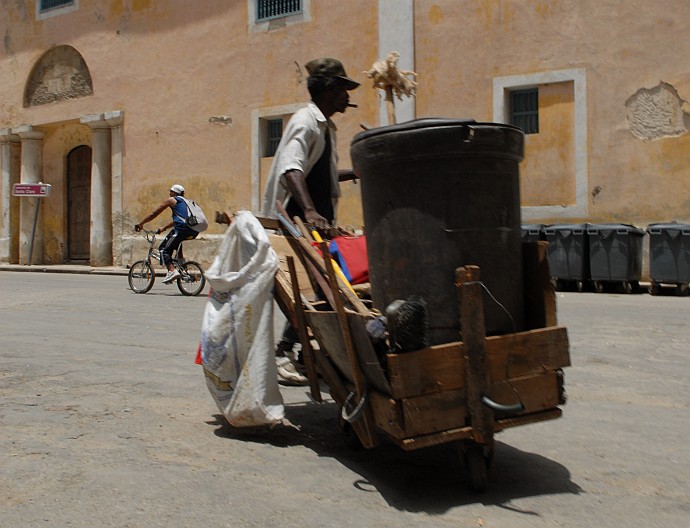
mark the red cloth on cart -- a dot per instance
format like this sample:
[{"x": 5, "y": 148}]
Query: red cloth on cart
[{"x": 351, "y": 254}]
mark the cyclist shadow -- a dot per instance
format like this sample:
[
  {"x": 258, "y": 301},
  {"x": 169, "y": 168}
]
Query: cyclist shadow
[{"x": 431, "y": 480}]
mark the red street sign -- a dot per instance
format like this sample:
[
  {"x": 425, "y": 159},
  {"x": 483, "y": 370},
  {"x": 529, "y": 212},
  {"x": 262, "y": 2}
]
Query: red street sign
[{"x": 40, "y": 190}]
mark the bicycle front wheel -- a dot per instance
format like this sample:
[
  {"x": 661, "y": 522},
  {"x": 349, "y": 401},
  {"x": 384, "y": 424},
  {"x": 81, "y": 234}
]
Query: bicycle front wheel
[
  {"x": 141, "y": 276},
  {"x": 191, "y": 280}
]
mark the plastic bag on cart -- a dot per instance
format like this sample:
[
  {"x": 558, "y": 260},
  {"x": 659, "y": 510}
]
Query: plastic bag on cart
[{"x": 237, "y": 346}]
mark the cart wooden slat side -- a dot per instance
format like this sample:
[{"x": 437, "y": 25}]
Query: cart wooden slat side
[
  {"x": 406, "y": 418},
  {"x": 441, "y": 367}
]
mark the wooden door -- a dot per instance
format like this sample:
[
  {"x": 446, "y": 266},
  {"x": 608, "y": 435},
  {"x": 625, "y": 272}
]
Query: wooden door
[{"x": 79, "y": 202}]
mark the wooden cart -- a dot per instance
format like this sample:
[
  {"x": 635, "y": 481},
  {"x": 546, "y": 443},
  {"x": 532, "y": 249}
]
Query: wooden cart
[{"x": 463, "y": 392}]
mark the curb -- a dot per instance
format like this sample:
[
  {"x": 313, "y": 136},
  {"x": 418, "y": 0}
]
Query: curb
[{"x": 76, "y": 269}]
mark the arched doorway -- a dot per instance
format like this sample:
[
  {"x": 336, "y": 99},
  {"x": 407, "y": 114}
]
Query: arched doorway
[{"x": 79, "y": 203}]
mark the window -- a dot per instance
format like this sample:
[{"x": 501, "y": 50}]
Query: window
[
  {"x": 47, "y": 5},
  {"x": 270, "y": 15},
  {"x": 274, "y": 131},
  {"x": 50, "y": 8},
  {"x": 270, "y": 134},
  {"x": 268, "y": 9},
  {"x": 524, "y": 110}
]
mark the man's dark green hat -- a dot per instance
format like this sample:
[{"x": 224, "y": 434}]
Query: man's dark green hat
[{"x": 327, "y": 67}]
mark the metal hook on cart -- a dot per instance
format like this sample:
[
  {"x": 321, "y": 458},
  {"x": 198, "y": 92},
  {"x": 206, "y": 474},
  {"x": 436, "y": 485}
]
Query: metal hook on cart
[
  {"x": 499, "y": 407},
  {"x": 354, "y": 415}
]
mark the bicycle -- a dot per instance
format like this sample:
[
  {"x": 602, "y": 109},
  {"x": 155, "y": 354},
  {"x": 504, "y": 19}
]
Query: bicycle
[{"x": 142, "y": 275}]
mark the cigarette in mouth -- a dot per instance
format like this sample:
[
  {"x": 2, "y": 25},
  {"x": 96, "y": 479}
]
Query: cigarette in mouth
[{"x": 352, "y": 105}]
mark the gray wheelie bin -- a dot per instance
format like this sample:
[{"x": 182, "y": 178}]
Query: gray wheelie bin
[
  {"x": 568, "y": 254},
  {"x": 615, "y": 256},
  {"x": 669, "y": 256}
]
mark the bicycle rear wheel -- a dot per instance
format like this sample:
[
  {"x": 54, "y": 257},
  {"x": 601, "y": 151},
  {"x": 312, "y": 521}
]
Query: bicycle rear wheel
[
  {"x": 141, "y": 276},
  {"x": 191, "y": 280}
]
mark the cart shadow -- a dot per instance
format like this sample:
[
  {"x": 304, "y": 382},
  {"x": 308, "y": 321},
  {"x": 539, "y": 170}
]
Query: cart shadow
[{"x": 431, "y": 480}]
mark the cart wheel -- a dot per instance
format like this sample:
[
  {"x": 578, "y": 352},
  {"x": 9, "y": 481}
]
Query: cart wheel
[
  {"x": 682, "y": 290},
  {"x": 654, "y": 288},
  {"x": 349, "y": 434},
  {"x": 477, "y": 463},
  {"x": 598, "y": 286}
]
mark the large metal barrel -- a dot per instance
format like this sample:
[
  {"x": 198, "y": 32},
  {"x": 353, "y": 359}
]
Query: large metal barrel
[{"x": 438, "y": 194}]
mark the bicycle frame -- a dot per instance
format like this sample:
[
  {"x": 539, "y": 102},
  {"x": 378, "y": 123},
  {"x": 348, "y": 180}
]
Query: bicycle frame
[{"x": 155, "y": 253}]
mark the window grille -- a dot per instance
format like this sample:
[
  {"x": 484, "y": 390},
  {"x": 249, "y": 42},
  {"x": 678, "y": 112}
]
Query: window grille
[
  {"x": 275, "y": 132},
  {"x": 47, "y": 5},
  {"x": 268, "y": 9},
  {"x": 524, "y": 110}
]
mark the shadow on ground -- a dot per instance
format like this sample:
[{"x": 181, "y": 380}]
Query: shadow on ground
[{"x": 431, "y": 480}]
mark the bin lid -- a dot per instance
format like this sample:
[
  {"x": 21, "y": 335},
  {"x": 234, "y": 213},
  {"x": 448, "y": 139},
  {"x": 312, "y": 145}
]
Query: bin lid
[
  {"x": 672, "y": 228},
  {"x": 532, "y": 228},
  {"x": 576, "y": 229},
  {"x": 619, "y": 229}
]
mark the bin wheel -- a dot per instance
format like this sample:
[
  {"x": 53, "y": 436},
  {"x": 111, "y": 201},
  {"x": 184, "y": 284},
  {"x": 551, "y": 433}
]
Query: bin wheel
[
  {"x": 627, "y": 287},
  {"x": 350, "y": 437},
  {"x": 682, "y": 290},
  {"x": 654, "y": 288},
  {"x": 598, "y": 286},
  {"x": 478, "y": 459},
  {"x": 579, "y": 286},
  {"x": 556, "y": 284}
]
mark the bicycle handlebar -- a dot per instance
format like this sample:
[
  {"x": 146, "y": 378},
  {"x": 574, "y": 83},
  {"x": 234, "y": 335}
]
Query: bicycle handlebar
[{"x": 150, "y": 235}]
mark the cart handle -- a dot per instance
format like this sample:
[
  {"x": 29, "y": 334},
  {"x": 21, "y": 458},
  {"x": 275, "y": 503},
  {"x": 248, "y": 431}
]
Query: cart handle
[
  {"x": 354, "y": 415},
  {"x": 513, "y": 408}
]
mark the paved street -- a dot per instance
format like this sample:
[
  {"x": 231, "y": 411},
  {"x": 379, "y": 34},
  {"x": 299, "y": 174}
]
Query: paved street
[{"x": 106, "y": 421}]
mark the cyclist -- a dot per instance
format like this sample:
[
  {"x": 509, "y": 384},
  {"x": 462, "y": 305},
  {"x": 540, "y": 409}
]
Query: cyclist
[{"x": 181, "y": 231}]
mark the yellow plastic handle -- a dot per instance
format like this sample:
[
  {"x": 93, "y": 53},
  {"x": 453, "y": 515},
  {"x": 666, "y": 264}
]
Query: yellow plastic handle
[{"x": 315, "y": 235}]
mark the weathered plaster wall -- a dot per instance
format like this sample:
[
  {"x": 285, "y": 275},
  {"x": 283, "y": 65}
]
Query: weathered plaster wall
[
  {"x": 187, "y": 76},
  {"x": 657, "y": 113},
  {"x": 635, "y": 173}
]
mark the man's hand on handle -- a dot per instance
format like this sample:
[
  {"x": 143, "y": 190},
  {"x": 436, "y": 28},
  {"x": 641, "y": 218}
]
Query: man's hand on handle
[{"x": 315, "y": 219}]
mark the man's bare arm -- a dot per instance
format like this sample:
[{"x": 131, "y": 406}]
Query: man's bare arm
[{"x": 168, "y": 202}]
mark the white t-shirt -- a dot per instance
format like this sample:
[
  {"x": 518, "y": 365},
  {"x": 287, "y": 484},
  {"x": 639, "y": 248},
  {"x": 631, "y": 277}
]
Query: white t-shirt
[{"x": 300, "y": 148}]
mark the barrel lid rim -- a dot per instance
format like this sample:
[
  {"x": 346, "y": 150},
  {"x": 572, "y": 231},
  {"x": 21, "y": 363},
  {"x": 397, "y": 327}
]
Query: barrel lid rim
[{"x": 427, "y": 122}]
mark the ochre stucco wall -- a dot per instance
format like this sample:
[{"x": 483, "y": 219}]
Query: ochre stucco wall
[
  {"x": 461, "y": 46},
  {"x": 170, "y": 66}
]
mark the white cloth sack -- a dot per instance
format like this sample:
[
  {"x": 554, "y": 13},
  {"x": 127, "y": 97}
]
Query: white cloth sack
[{"x": 237, "y": 345}]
